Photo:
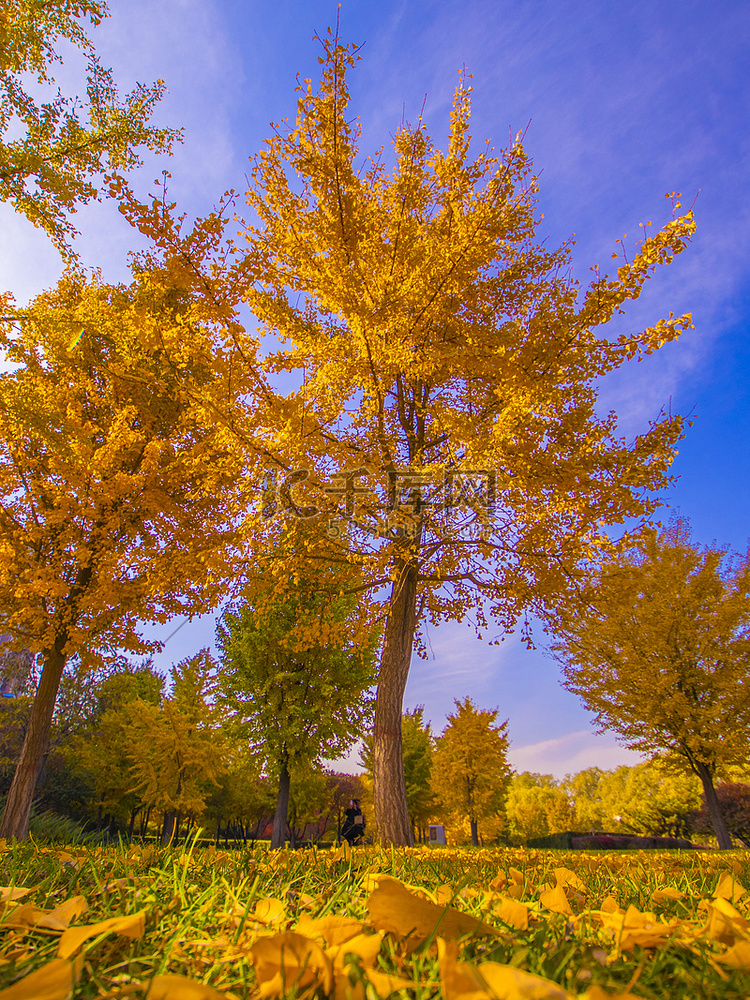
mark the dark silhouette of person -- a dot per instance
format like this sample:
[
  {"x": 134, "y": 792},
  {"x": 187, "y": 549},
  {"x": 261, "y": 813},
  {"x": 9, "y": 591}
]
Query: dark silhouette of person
[{"x": 353, "y": 827}]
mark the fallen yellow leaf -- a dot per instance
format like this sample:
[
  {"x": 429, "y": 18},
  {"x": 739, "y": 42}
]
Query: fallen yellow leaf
[
  {"x": 512, "y": 912},
  {"x": 54, "y": 981},
  {"x": 131, "y": 926},
  {"x": 181, "y": 988},
  {"x": 287, "y": 961},
  {"x": 490, "y": 980},
  {"x": 729, "y": 888},
  {"x": 556, "y": 901},
  {"x": 393, "y": 908},
  {"x": 738, "y": 956}
]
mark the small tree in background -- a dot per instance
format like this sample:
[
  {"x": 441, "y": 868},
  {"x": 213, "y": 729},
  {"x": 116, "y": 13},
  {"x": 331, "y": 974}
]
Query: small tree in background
[
  {"x": 293, "y": 680},
  {"x": 471, "y": 771},
  {"x": 178, "y": 749},
  {"x": 657, "y": 646},
  {"x": 536, "y": 806}
]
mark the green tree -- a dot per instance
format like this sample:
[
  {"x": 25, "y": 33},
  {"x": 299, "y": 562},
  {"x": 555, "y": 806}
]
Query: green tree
[
  {"x": 536, "y": 806},
  {"x": 584, "y": 792},
  {"x": 60, "y": 146},
  {"x": 293, "y": 681},
  {"x": 657, "y": 647},
  {"x": 452, "y": 368},
  {"x": 471, "y": 771},
  {"x": 650, "y": 799},
  {"x": 104, "y": 748}
]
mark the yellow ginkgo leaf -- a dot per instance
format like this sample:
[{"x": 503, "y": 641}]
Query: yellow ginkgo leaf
[
  {"x": 565, "y": 876},
  {"x": 393, "y": 908},
  {"x": 290, "y": 961},
  {"x": 269, "y": 911},
  {"x": 181, "y": 988},
  {"x": 729, "y": 888},
  {"x": 490, "y": 980},
  {"x": 131, "y": 926},
  {"x": 332, "y": 929},
  {"x": 11, "y": 892},
  {"x": 343, "y": 853},
  {"x": 512, "y": 912},
  {"x": 59, "y": 919},
  {"x": 738, "y": 956},
  {"x": 724, "y": 922},
  {"x": 365, "y": 946},
  {"x": 556, "y": 900},
  {"x": 54, "y": 981},
  {"x": 668, "y": 892}
]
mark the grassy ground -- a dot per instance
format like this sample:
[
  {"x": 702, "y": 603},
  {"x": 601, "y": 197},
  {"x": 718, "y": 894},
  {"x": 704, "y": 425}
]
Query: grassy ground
[{"x": 196, "y": 924}]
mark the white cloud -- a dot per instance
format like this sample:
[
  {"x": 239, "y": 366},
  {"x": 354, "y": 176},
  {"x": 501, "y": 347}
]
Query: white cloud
[{"x": 572, "y": 753}]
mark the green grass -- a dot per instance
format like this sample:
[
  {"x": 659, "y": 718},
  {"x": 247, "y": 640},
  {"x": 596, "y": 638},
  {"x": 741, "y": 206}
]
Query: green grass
[{"x": 205, "y": 913}]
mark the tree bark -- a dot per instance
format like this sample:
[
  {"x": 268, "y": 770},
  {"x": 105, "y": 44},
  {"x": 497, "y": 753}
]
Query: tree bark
[
  {"x": 15, "y": 822},
  {"x": 168, "y": 828},
  {"x": 391, "y": 810},
  {"x": 474, "y": 832},
  {"x": 282, "y": 805},
  {"x": 714, "y": 808}
]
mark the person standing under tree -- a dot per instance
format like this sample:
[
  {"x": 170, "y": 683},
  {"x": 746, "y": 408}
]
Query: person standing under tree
[{"x": 353, "y": 827}]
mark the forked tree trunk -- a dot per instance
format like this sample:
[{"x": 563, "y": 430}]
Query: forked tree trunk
[
  {"x": 714, "y": 808},
  {"x": 282, "y": 806},
  {"x": 391, "y": 810},
  {"x": 15, "y": 822}
]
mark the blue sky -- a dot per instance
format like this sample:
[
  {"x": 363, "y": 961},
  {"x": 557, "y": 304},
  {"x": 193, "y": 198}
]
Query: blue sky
[{"x": 622, "y": 102}]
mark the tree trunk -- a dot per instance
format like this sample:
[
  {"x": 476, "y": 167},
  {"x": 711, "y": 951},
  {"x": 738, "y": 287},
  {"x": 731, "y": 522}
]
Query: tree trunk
[
  {"x": 134, "y": 812},
  {"x": 282, "y": 805},
  {"x": 15, "y": 822},
  {"x": 714, "y": 809},
  {"x": 474, "y": 832},
  {"x": 391, "y": 810},
  {"x": 168, "y": 828}
]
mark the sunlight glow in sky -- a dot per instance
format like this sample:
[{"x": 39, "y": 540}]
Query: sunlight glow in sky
[{"x": 621, "y": 103}]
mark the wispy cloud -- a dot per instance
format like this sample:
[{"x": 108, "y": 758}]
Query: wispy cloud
[{"x": 572, "y": 753}]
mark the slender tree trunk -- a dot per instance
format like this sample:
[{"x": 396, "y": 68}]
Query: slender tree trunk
[
  {"x": 474, "y": 832},
  {"x": 15, "y": 822},
  {"x": 282, "y": 805},
  {"x": 168, "y": 828},
  {"x": 714, "y": 809},
  {"x": 131, "y": 826},
  {"x": 391, "y": 810}
]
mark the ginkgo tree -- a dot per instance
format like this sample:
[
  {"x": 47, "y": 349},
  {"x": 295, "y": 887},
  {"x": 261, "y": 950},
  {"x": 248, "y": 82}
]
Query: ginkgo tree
[
  {"x": 116, "y": 501},
  {"x": 658, "y": 648},
  {"x": 52, "y": 152},
  {"x": 444, "y": 432},
  {"x": 471, "y": 770}
]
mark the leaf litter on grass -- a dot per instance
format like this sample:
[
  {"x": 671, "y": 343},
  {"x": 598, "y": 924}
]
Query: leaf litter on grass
[{"x": 488, "y": 924}]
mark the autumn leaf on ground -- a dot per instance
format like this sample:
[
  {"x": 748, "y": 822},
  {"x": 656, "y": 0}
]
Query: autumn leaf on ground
[
  {"x": 290, "y": 960},
  {"x": 131, "y": 926},
  {"x": 490, "y": 980},
  {"x": 54, "y": 981},
  {"x": 393, "y": 908},
  {"x": 181, "y": 988}
]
